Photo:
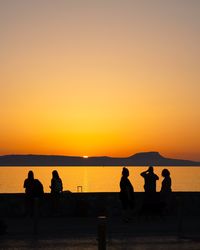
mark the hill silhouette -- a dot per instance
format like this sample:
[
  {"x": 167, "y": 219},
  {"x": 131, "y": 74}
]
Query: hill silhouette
[{"x": 138, "y": 159}]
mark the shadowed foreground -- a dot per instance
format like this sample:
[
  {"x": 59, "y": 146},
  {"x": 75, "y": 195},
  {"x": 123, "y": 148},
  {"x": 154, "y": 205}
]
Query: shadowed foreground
[
  {"x": 78, "y": 227},
  {"x": 81, "y": 233}
]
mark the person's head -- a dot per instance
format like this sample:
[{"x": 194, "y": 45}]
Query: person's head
[
  {"x": 150, "y": 169},
  {"x": 30, "y": 175},
  {"x": 125, "y": 172},
  {"x": 165, "y": 173},
  {"x": 55, "y": 174}
]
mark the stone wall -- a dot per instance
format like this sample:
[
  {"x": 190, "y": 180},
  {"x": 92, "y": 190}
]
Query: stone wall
[{"x": 94, "y": 204}]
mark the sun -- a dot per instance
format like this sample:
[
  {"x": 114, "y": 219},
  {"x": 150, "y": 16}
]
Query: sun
[{"x": 85, "y": 156}]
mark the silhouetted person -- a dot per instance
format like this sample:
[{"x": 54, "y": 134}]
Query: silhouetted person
[
  {"x": 38, "y": 189},
  {"x": 166, "y": 183},
  {"x": 29, "y": 184},
  {"x": 56, "y": 190},
  {"x": 151, "y": 204},
  {"x": 29, "y": 191},
  {"x": 126, "y": 194},
  {"x": 149, "y": 180},
  {"x": 166, "y": 190}
]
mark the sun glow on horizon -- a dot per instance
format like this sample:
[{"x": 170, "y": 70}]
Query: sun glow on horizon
[{"x": 103, "y": 78}]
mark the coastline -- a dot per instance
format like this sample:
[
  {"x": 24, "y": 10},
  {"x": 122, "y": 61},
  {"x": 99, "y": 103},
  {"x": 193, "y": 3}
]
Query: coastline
[{"x": 138, "y": 159}]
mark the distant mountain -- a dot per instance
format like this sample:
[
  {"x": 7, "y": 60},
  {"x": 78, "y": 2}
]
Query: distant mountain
[{"x": 139, "y": 159}]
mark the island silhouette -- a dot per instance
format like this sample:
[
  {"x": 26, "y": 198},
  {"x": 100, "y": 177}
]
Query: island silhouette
[{"x": 138, "y": 159}]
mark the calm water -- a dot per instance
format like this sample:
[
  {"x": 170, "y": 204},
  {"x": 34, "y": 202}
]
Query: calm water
[{"x": 96, "y": 179}]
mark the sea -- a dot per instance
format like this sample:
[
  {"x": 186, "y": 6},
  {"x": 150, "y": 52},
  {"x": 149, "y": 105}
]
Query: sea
[{"x": 97, "y": 178}]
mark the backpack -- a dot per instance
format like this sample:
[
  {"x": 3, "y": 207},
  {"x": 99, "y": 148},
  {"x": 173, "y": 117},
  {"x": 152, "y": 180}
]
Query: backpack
[{"x": 38, "y": 188}]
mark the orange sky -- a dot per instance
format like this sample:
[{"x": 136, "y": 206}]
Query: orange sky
[{"x": 100, "y": 77}]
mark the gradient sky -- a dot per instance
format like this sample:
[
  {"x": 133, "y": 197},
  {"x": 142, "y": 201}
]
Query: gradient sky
[{"x": 91, "y": 77}]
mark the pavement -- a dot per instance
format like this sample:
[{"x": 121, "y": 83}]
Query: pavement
[{"x": 89, "y": 233}]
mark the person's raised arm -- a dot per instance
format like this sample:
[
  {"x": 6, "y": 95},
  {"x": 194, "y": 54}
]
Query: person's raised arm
[{"x": 143, "y": 174}]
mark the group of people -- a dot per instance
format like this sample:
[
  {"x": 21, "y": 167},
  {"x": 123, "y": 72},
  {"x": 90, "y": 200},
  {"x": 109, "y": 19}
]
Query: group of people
[
  {"x": 152, "y": 202},
  {"x": 34, "y": 189}
]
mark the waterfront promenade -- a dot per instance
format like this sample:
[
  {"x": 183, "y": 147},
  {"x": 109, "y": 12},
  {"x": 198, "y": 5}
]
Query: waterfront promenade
[
  {"x": 79, "y": 230},
  {"x": 82, "y": 233}
]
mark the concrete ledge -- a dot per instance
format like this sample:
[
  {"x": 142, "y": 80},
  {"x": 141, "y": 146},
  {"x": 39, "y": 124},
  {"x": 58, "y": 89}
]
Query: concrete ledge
[{"x": 94, "y": 204}]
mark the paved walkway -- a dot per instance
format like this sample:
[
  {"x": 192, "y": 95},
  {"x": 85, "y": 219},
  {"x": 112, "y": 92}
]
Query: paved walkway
[{"x": 82, "y": 233}]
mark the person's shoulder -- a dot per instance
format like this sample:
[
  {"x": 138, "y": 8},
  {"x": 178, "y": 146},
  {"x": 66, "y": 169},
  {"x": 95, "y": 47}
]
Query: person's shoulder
[
  {"x": 122, "y": 179},
  {"x": 37, "y": 182},
  {"x": 25, "y": 181}
]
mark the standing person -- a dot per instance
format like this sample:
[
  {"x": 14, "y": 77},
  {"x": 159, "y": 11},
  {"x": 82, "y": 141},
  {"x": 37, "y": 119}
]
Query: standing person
[
  {"x": 126, "y": 194},
  {"x": 149, "y": 180},
  {"x": 151, "y": 202},
  {"x": 166, "y": 190},
  {"x": 166, "y": 183},
  {"x": 56, "y": 190},
  {"x": 29, "y": 191}
]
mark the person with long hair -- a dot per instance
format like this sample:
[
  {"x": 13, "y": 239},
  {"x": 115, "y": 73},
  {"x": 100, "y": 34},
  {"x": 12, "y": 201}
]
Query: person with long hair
[
  {"x": 166, "y": 190},
  {"x": 29, "y": 193},
  {"x": 167, "y": 182},
  {"x": 56, "y": 190}
]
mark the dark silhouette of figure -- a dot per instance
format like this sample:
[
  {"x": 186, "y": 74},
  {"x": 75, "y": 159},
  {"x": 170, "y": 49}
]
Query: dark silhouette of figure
[
  {"x": 29, "y": 191},
  {"x": 166, "y": 190},
  {"x": 166, "y": 183},
  {"x": 29, "y": 184},
  {"x": 149, "y": 180},
  {"x": 126, "y": 195},
  {"x": 56, "y": 191},
  {"x": 33, "y": 190},
  {"x": 38, "y": 189},
  {"x": 151, "y": 204},
  {"x": 56, "y": 183}
]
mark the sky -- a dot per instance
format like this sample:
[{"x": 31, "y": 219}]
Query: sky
[{"x": 91, "y": 77}]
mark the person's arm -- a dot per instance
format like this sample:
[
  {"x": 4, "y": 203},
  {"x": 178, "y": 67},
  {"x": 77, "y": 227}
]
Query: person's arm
[
  {"x": 24, "y": 186},
  {"x": 51, "y": 186},
  {"x": 61, "y": 185},
  {"x": 169, "y": 184},
  {"x": 143, "y": 174}
]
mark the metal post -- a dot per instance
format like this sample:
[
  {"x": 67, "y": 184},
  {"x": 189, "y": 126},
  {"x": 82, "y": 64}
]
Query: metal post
[
  {"x": 102, "y": 233},
  {"x": 79, "y": 189}
]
